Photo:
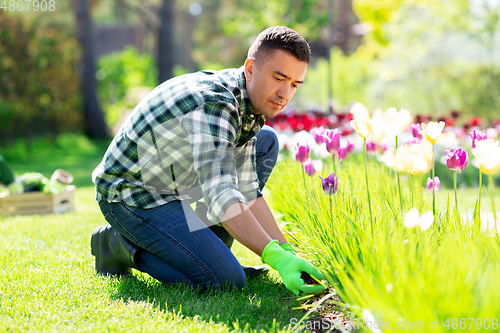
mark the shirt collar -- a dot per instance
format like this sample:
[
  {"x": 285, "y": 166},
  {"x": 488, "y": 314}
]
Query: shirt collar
[{"x": 246, "y": 109}]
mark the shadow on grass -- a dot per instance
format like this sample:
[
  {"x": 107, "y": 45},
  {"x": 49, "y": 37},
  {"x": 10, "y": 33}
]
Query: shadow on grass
[{"x": 262, "y": 304}]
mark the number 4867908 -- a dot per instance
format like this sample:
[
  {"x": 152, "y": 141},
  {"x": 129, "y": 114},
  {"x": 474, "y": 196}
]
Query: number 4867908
[{"x": 24, "y": 5}]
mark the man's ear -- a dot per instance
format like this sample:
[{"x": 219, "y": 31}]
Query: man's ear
[{"x": 249, "y": 68}]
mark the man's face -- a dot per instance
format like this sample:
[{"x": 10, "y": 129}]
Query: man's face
[{"x": 272, "y": 82}]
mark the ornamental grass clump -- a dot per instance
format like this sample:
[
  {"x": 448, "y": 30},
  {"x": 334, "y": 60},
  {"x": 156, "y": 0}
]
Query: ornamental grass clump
[
  {"x": 378, "y": 127},
  {"x": 420, "y": 267},
  {"x": 398, "y": 123},
  {"x": 361, "y": 124}
]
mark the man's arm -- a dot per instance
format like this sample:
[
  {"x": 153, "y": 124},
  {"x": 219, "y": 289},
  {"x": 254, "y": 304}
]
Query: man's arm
[
  {"x": 257, "y": 235},
  {"x": 253, "y": 227}
]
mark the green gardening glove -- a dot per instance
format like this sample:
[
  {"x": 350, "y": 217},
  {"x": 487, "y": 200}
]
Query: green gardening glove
[
  {"x": 288, "y": 248},
  {"x": 290, "y": 267}
]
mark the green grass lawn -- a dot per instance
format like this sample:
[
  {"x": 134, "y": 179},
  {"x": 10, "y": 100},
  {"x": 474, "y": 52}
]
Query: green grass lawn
[{"x": 48, "y": 281}]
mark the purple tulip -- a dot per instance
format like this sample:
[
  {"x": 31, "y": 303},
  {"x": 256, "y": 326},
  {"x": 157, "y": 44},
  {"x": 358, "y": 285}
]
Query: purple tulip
[
  {"x": 319, "y": 135},
  {"x": 330, "y": 184},
  {"x": 349, "y": 145},
  {"x": 309, "y": 167},
  {"x": 429, "y": 183},
  {"x": 301, "y": 152},
  {"x": 415, "y": 128},
  {"x": 333, "y": 142},
  {"x": 371, "y": 147},
  {"x": 456, "y": 158},
  {"x": 477, "y": 135}
]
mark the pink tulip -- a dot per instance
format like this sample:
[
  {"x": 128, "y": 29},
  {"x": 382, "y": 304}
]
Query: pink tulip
[
  {"x": 371, "y": 147},
  {"x": 319, "y": 135},
  {"x": 333, "y": 142},
  {"x": 342, "y": 152},
  {"x": 301, "y": 152},
  {"x": 309, "y": 167},
  {"x": 429, "y": 183},
  {"x": 330, "y": 184},
  {"x": 456, "y": 158},
  {"x": 477, "y": 136},
  {"x": 414, "y": 141},
  {"x": 415, "y": 130},
  {"x": 349, "y": 145}
]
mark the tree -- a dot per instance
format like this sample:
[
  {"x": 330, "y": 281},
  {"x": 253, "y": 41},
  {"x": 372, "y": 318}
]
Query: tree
[
  {"x": 95, "y": 126},
  {"x": 166, "y": 37}
]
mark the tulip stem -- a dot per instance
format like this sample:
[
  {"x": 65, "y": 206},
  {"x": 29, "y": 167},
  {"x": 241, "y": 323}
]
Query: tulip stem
[
  {"x": 433, "y": 184},
  {"x": 368, "y": 190},
  {"x": 331, "y": 206},
  {"x": 455, "y": 181},
  {"x": 480, "y": 186},
  {"x": 334, "y": 168},
  {"x": 492, "y": 185},
  {"x": 304, "y": 178},
  {"x": 399, "y": 185}
]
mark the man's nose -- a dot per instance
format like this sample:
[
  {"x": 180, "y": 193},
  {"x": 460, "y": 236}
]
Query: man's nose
[{"x": 284, "y": 91}]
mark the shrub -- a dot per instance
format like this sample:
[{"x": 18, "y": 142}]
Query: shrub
[
  {"x": 120, "y": 76},
  {"x": 39, "y": 85}
]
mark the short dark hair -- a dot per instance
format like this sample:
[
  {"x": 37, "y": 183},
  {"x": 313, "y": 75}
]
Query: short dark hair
[{"x": 282, "y": 38}]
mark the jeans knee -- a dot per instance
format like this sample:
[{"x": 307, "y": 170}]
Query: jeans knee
[
  {"x": 236, "y": 279},
  {"x": 268, "y": 142}
]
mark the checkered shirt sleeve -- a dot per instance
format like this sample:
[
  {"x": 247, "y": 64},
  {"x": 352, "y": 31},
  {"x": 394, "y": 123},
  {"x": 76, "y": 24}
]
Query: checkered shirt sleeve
[{"x": 193, "y": 137}]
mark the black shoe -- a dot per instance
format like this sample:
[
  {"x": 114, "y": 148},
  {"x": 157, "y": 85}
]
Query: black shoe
[
  {"x": 113, "y": 253},
  {"x": 254, "y": 271},
  {"x": 123, "y": 249}
]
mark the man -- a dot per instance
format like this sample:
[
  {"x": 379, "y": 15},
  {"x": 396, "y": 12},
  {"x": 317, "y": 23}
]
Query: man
[{"x": 198, "y": 136}]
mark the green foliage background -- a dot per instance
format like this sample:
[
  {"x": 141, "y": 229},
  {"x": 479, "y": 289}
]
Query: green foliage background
[
  {"x": 39, "y": 84},
  {"x": 427, "y": 56},
  {"x": 119, "y": 76}
]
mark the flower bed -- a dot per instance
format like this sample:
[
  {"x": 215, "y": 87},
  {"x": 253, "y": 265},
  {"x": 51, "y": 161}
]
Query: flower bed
[{"x": 394, "y": 258}]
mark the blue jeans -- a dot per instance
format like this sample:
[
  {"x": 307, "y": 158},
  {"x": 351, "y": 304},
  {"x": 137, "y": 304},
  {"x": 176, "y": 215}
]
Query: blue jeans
[{"x": 169, "y": 252}]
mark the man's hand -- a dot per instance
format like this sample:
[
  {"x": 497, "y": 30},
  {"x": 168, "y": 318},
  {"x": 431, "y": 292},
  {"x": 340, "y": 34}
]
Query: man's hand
[
  {"x": 290, "y": 267},
  {"x": 288, "y": 248}
]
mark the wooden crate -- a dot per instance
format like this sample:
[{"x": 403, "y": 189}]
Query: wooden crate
[{"x": 31, "y": 203}]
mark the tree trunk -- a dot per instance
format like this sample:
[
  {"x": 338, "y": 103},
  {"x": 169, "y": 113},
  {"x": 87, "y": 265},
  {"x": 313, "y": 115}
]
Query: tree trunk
[
  {"x": 344, "y": 24},
  {"x": 166, "y": 41},
  {"x": 95, "y": 126}
]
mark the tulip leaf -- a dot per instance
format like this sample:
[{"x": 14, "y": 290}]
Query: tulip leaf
[
  {"x": 389, "y": 202},
  {"x": 357, "y": 226},
  {"x": 477, "y": 217},
  {"x": 456, "y": 215}
]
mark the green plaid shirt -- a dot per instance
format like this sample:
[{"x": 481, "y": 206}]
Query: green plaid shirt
[{"x": 192, "y": 137}]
